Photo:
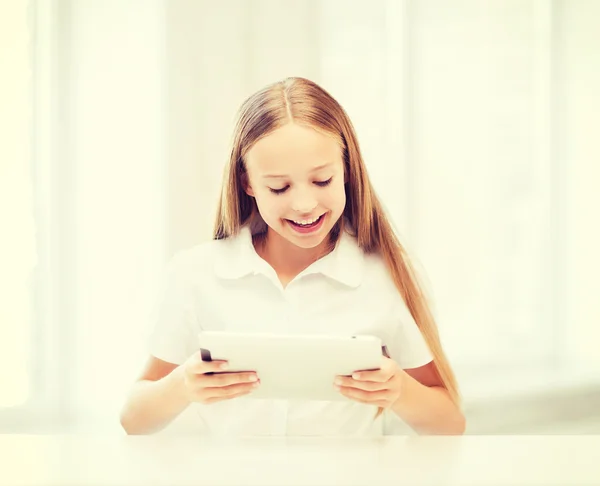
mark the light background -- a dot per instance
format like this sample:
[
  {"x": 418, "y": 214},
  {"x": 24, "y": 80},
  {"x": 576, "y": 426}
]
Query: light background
[{"x": 477, "y": 120}]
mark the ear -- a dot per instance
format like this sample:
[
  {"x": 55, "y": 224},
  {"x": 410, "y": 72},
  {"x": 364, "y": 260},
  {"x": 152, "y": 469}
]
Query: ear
[{"x": 246, "y": 185}]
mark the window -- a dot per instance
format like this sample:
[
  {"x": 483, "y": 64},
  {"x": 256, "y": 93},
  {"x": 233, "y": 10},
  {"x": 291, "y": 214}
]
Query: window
[
  {"x": 18, "y": 255},
  {"x": 463, "y": 162}
]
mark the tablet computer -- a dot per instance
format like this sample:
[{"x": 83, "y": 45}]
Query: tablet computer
[{"x": 293, "y": 366}]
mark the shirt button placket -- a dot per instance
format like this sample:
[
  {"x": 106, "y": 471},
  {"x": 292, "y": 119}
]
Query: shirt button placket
[
  {"x": 288, "y": 307},
  {"x": 288, "y": 310}
]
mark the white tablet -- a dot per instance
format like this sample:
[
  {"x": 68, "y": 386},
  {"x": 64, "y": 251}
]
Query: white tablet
[{"x": 293, "y": 366}]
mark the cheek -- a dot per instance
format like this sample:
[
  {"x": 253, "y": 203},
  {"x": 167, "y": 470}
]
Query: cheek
[
  {"x": 269, "y": 204},
  {"x": 336, "y": 197}
]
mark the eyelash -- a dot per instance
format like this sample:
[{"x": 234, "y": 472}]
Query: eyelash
[{"x": 318, "y": 183}]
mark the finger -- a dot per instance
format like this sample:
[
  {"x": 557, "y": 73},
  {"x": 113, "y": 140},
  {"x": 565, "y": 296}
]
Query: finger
[
  {"x": 199, "y": 366},
  {"x": 361, "y": 385},
  {"x": 379, "y": 376},
  {"x": 363, "y": 396},
  {"x": 230, "y": 390},
  {"x": 220, "y": 399},
  {"x": 226, "y": 379}
]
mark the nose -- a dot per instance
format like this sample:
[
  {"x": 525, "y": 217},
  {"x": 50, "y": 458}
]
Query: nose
[{"x": 304, "y": 202}]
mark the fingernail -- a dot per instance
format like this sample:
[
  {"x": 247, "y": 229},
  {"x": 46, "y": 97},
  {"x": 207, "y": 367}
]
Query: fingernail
[
  {"x": 356, "y": 376},
  {"x": 338, "y": 381},
  {"x": 254, "y": 385},
  {"x": 253, "y": 378}
]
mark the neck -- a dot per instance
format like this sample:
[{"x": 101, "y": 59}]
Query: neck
[{"x": 285, "y": 257}]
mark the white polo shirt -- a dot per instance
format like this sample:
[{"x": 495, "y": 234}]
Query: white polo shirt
[{"x": 224, "y": 285}]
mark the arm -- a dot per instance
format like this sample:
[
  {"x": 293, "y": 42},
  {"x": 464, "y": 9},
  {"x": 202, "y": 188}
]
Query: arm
[
  {"x": 416, "y": 395},
  {"x": 156, "y": 399},
  {"x": 425, "y": 404},
  {"x": 165, "y": 390}
]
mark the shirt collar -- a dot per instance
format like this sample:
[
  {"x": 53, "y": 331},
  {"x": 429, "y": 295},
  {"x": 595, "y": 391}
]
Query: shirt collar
[{"x": 237, "y": 258}]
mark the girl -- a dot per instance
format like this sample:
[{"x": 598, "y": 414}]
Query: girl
[{"x": 301, "y": 245}]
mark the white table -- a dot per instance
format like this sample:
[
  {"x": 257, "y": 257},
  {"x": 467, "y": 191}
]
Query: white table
[{"x": 177, "y": 461}]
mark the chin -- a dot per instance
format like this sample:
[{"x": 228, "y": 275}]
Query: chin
[{"x": 307, "y": 243}]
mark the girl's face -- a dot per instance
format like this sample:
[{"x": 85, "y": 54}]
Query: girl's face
[{"x": 296, "y": 175}]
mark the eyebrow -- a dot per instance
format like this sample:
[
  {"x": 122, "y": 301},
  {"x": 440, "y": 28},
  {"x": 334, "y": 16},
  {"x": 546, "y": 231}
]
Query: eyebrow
[{"x": 314, "y": 169}]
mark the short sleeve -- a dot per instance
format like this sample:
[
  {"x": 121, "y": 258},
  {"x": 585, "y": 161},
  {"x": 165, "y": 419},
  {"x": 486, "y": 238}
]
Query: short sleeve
[
  {"x": 407, "y": 345},
  {"x": 173, "y": 326}
]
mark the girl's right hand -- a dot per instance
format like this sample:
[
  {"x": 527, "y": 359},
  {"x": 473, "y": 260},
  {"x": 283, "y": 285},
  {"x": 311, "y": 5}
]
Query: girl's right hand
[{"x": 202, "y": 387}]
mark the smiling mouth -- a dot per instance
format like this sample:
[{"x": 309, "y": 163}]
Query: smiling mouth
[{"x": 306, "y": 223}]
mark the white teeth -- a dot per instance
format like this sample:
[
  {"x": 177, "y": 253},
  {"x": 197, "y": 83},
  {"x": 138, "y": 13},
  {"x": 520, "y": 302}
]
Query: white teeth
[{"x": 306, "y": 221}]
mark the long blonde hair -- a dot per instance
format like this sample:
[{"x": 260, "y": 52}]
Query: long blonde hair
[{"x": 302, "y": 101}]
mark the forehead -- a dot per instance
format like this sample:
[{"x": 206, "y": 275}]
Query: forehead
[{"x": 292, "y": 148}]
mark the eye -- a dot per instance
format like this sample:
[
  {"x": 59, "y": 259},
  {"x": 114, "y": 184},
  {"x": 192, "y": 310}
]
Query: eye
[
  {"x": 324, "y": 183},
  {"x": 279, "y": 191}
]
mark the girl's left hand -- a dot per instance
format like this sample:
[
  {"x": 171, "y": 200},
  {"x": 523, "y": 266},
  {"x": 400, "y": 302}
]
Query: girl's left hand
[{"x": 381, "y": 388}]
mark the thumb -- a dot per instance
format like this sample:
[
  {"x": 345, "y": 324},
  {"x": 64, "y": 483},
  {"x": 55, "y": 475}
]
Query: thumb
[{"x": 198, "y": 365}]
